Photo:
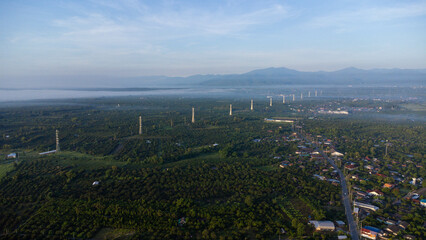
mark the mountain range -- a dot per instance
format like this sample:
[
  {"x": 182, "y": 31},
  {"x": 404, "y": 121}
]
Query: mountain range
[{"x": 286, "y": 76}]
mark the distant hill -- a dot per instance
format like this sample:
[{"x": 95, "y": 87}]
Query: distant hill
[
  {"x": 267, "y": 77},
  {"x": 285, "y": 76}
]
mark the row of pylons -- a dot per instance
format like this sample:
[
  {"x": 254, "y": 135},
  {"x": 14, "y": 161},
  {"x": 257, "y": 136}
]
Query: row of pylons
[
  {"x": 291, "y": 95},
  {"x": 193, "y": 113},
  {"x": 230, "y": 107}
]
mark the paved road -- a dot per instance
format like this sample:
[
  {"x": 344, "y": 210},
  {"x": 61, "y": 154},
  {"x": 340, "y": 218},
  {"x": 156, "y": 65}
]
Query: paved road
[{"x": 345, "y": 195}]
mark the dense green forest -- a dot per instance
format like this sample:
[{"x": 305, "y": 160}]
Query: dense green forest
[{"x": 217, "y": 178}]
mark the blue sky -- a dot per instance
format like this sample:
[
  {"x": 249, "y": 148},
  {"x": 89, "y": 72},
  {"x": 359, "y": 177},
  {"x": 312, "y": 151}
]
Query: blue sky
[{"x": 61, "y": 39}]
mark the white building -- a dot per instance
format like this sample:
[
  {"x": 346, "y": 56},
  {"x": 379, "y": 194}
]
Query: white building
[
  {"x": 337, "y": 154},
  {"x": 323, "y": 225},
  {"x": 366, "y": 206},
  {"x": 48, "y": 152}
]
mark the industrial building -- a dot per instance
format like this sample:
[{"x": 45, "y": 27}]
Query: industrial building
[
  {"x": 48, "y": 152},
  {"x": 279, "y": 120},
  {"x": 323, "y": 225},
  {"x": 366, "y": 206}
]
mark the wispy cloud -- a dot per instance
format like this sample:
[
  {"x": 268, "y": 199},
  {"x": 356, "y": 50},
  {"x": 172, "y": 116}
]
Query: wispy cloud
[
  {"x": 172, "y": 21},
  {"x": 142, "y": 37},
  {"x": 369, "y": 15},
  {"x": 139, "y": 37},
  {"x": 93, "y": 25},
  {"x": 219, "y": 22}
]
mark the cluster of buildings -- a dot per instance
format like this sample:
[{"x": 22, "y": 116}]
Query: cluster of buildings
[
  {"x": 392, "y": 229},
  {"x": 368, "y": 199},
  {"x": 371, "y": 187},
  {"x": 305, "y": 152},
  {"x": 344, "y": 108}
]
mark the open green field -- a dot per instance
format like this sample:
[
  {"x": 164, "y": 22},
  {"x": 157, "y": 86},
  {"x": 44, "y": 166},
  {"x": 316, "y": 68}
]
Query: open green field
[
  {"x": 210, "y": 158},
  {"x": 416, "y": 107},
  {"x": 109, "y": 233},
  {"x": 5, "y": 168},
  {"x": 272, "y": 167},
  {"x": 84, "y": 161}
]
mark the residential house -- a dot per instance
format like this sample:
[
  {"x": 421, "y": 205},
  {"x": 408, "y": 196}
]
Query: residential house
[
  {"x": 390, "y": 222},
  {"x": 375, "y": 193},
  {"x": 369, "y": 167},
  {"x": 389, "y": 185},
  {"x": 319, "y": 177},
  {"x": 340, "y": 223},
  {"x": 381, "y": 175},
  {"x": 350, "y": 167},
  {"x": 337, "y": 154},
  {"x": 361, "y": 194},
  {"x": 403, "y": 225},
  {"x": 393, "y": 229},
  {"x": 409, "y": 237},
  {"x": 370, "y": 232}
]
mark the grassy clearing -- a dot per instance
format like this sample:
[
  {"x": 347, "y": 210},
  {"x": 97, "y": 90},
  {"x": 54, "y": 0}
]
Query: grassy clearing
[
  {"x": 209, "y": 127},
  {"x": 273, "y": 167},
  {"x": 5, "y": 168},
  {"x": 205, "y": 158},
  {"x": 300, "y": 206},
  {"x": 85, "y": 161},
  {"x": 142, "y": 137},
  {"x": 288, "y": 208},
  {"x": 109, "y": 233},
  {"x": 196, "y": 161},
  {"x": 415, "y": 107}
]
